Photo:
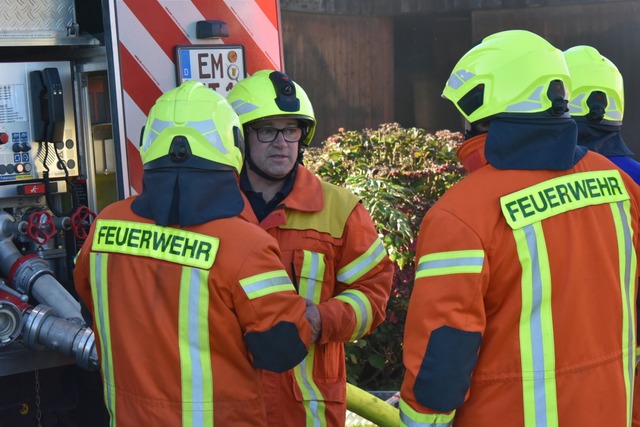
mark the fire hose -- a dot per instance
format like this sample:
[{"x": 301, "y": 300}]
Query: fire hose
[{"x": 371, "y": 408}]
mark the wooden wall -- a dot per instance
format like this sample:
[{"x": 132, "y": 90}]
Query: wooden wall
[
  {"x": 361, "y": 71},
  {"x": 613, "y": 29},
  {"x": 345, "y": 64}
]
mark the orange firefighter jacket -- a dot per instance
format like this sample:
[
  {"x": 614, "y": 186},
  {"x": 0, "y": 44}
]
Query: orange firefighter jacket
[
  {"x": 523, "y": 311},
  {"x": 185, "y": 316},
  {"x": 333, "y": 254}
]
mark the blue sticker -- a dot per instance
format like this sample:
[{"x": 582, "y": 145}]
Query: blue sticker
[{"x": 185, "y": 63}]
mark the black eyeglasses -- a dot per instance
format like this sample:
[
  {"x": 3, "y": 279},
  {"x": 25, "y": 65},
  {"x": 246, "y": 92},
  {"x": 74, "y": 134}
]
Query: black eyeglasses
[{"x": 269, "y": 134}]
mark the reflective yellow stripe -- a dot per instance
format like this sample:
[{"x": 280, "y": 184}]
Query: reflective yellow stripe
[
  {"x": 266, "y": 283},
  {"x": 363, "y": 264},
  {"x": 452, "y": 262},
  {"x": 562, "y": 194},
  {"x": 537, "y": 347},
  {"x": 412, "y": 418},
  {"x": 362, "y": 308},
  {"x": 312, "y": 399},
  {"x": 312, "y": 275},
  {"x": 194, "y": 346},
  {"x": 100, "y": 294},
  {"x": 627, "y": 270},
  {"x": 148, "y": 240},
  {"x": 310, "y": 287}
]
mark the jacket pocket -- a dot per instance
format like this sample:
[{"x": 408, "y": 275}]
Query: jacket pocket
[{"x": 328, "y": 379}]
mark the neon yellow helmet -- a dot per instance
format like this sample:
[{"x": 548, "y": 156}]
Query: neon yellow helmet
[
  {"x": 597, "y": 86},
  {"x": 192, "y": 126},
  {"x": 272, "y": 94},
  {"x": 509, "y": 72}
]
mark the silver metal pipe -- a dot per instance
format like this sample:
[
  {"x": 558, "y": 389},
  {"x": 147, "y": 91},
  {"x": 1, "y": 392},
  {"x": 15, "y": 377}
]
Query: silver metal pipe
[
  {"x": 42, "y": 328},
  {"x": 32, "y": 276}
]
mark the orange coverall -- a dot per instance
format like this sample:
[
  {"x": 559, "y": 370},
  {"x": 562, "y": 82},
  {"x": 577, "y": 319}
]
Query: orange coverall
[
  {"x": 523, "y": 313},
  {"x": 184, "y": 317},
  {"x": 335, "y": 258}
]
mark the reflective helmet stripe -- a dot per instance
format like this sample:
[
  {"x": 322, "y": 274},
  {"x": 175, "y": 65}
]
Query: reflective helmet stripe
[{"x": 242, "y": 107}]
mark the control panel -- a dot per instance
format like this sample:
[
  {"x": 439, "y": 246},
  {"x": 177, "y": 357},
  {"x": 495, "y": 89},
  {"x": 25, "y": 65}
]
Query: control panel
[{"x": 37, "y": 124}]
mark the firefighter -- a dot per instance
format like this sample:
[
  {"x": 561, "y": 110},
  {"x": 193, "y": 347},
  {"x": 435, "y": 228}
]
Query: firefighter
[
  {"x": 597, "y": 106},
  {"x": 522, "y": 312},
  {"x": 329, "y": 246},
  {"x": 185, "y": 311}
]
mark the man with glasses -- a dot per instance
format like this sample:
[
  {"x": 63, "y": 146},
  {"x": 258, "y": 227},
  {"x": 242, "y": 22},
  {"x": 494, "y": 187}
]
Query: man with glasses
[{"x": 329, "y": 246}]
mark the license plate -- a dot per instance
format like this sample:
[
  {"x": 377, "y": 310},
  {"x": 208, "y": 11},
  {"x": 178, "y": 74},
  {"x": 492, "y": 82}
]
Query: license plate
[{"x": 218, "y": 67}]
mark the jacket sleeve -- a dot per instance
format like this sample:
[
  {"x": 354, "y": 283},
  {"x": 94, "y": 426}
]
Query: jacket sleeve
[
  {"x": 271, "y": 313},
  {"x": 445, "y": 320},
  {"x": 363, "y": 282}
]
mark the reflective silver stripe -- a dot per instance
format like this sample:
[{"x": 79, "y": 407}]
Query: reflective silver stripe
[
  {"x": 312, "y": 277},
  {"x": 310, "y": 286},
  {"x": 575, "y": 105},
  {"x": 535, "y": 324},
  {"x": 195, "y": 357},
  {"x": 360, "y": 266},
  {"x": 157, "y": 126},
  {"x": 612, "y": 110},
  {"x": 458, "y": 78},
  {"x": 445, "y": 263},
  {"x": 362, "y": 309},
  {"x": 534, "y": 102},
  {"x": 241, "y": 107},
  {"x": 266, "y": 283},
  {"x": 208, "y": 129},
  {"x": 628, "y": 287},
  {"x": 452, "y": 262},
  {"x": 99, "y": 284}
]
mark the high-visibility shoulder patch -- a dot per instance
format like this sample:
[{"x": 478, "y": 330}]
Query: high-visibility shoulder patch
[
  {"x": 558, "y": 195},
  {"x": 149, "y": 240},
  {"x": 338, "y": 205},
  {"x": 451, "y": 262}
]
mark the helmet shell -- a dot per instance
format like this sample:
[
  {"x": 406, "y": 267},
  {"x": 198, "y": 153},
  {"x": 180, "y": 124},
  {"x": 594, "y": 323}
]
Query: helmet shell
[
  {"x": 272, "y": 94},
  {"x": 507, "y": 72},
  {"x": 202, "y": 116},
  {"x": 591, "y": 72}
]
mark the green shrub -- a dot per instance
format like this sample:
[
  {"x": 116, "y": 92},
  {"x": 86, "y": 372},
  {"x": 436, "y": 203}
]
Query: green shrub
[{"x": 399, "y": 174}]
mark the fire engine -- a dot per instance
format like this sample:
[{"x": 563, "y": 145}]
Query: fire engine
[{"x": 77, "y": 80}]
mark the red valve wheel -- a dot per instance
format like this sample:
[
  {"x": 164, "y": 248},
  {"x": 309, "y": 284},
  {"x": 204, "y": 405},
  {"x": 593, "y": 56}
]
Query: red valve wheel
[
  {"x": 41, "y": 228},
  {"x": 81, "y": 221}
]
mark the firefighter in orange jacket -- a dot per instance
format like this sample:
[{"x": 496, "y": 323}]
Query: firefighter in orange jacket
[
  {"x": 328, "y": 241},
  {"x": 523, "y": 308},
  {"x": 597, "y": 106},
  {"x": 185, "y": 311}
]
